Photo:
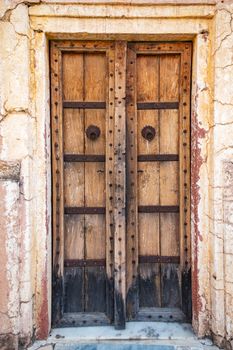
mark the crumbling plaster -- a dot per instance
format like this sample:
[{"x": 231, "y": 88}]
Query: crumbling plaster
[{"x": 25, "y": 29}]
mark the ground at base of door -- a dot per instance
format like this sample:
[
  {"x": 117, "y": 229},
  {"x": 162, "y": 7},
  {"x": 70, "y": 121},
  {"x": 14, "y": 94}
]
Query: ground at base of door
[{"x": 136, "y": 336}]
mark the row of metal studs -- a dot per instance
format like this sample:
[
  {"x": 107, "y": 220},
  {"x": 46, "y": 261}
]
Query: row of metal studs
[
  {"x": 185, "y": 143},
  {"x": 56, "y": 160},
  {"x": 119, "y": 155},
  {"x": 109, "y": 158},
  {"x": 131, "y": 162}
]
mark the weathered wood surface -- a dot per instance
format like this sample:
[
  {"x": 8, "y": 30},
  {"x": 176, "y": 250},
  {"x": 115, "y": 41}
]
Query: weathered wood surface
[
  {"x": 158, "y": 71},
  {"x": 121, "y": 202}
]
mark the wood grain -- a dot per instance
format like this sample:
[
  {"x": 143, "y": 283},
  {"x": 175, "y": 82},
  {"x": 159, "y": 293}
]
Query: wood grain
[
  {"x": 119, "y": 75},
  {"x": 120, "y": 177}
]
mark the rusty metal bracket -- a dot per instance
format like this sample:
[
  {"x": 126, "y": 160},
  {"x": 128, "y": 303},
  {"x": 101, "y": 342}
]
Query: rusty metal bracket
[
  {"x": 84, "y": 210},
  {"x": 158, "y": 209},
  {"x": 84, "y": 105},
  {"x": 159, "y": 259},
  {"x": 84, "y": 158},
  {"x": 158, "y": 157},
  {"x": 84, "y": 262},
  {"x": 157, "y": 105}
]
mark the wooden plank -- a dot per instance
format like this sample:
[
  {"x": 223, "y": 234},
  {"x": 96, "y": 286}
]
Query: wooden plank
[
  {"x": 57, "y": 190},
  {"x": 95, "y": 235},
  {"x": 169, "y": 183},
  {"x": 73, "y": 184},
  {"x": 119, "y": 194},
  {"x": 148, "y": 179},
  {"x": 149, "y": 279},
  {"x": 157, "y": 314},
  {"x": 73, "y": 139},
  {"x": 74, "y": 240},
  {"x": 83, "y": 319},
  {"x": 73, "y": 131},
  {"x": 95, "y": 184},
  {"x": 132, "y": 185},
  {"x": 74, "y": 288},
  {"x": 171, "y": 292},
  {"x": 96, "y": 289},
  {"x": 72, "y": 76},
  {"x": 149, "y": 285},
  {"x": 169, "y": 131},
  {"x": 96, "y": 118},
  {"x": 169, "y": 180},
  {"x": 185, "y": 236},
  {"x": 148, "y": 183},
  {"x": 95, "y": 76},
  {"x": 110, "y": 181}
]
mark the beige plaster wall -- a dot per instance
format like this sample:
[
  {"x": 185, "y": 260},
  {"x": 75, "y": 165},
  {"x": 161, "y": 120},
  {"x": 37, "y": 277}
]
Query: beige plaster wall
[{"x": 25, "y": 239}]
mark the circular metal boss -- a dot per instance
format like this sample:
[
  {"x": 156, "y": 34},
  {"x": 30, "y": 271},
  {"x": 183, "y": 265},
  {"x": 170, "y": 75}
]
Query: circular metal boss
[
  {"x": 148, "y": 132},
  {"x": 93, "y": 132}
]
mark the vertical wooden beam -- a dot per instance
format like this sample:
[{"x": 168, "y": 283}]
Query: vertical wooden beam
[
  {"x": 132, "y": 305},
  {"x": 57, "y": 182},
  {"x": 109, "y": 171},
  {"x": 185, "y": 236},
  {"x": 120, "y": 182}
]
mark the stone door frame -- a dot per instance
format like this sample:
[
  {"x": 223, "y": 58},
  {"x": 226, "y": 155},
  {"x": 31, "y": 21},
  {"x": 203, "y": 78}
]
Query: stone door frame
[{"x": 160, "y": 23}]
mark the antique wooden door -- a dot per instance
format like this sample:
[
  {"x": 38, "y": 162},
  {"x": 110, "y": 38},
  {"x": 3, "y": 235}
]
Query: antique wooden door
[{"x": 120, "y": 116}]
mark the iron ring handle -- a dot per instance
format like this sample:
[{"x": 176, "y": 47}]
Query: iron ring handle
[
  {"x": 93, "y": 132},
  {"x": 148, "y": 132}
]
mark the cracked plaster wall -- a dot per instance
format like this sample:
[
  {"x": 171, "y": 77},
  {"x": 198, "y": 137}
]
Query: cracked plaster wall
[{"x": 24, "y": 140}]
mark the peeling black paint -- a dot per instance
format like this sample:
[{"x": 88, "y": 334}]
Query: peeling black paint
[
  {"x": 110, "y": 299},
  {"x": 57, "y": 299},
  {"x": 170, "y": 293},
  {"x": 132, "y": 301},
  {"x": 119, "y": 311},
  {"x": 187, "y": 294}
]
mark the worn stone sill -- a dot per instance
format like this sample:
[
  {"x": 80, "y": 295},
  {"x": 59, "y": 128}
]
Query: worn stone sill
[{"x": 136, "y": 336}]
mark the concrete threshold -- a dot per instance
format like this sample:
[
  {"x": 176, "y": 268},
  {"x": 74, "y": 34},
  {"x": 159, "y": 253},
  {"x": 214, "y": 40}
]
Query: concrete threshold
[{"x": 136, "y": 336}]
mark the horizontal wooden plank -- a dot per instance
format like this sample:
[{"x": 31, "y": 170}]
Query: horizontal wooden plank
[
  {"x": 84, "y": 262},
  {"x": 158, "y": 209},
  {"x": 84, "y": 105},
  {"x": 157, "y": 105},
  {"x": 158, "y": 157},
  {"x": 161, "y": 314},
  {"x": 84, "y": 158},
  {"x": 84, "y": 210},
  {"x": 159, "y": 259},
  {"x": 83, "y": 319}
]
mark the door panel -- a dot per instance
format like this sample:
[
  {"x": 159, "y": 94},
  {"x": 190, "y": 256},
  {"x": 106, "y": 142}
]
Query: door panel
[
  {"x": 121, "y": 182},
  {"x": 159, "y": 252},
  {"x": 80, "y": 120}
]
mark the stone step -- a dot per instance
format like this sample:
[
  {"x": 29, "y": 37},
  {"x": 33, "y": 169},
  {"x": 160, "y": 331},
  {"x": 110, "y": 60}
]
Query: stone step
[{"x": 121, "y": 347}]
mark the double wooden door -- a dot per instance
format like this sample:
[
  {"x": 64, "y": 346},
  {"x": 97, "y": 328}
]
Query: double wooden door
[{"x": 120, "y": 116}]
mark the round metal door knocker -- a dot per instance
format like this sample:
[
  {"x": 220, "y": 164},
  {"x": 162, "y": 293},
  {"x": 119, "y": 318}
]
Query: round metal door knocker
[
  {"x": 148, "y": 132},
  {"x": 93, "y": 132}
]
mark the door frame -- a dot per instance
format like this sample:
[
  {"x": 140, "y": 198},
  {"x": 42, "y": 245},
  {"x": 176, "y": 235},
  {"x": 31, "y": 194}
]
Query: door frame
[{"x": 46, "y": 28}]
